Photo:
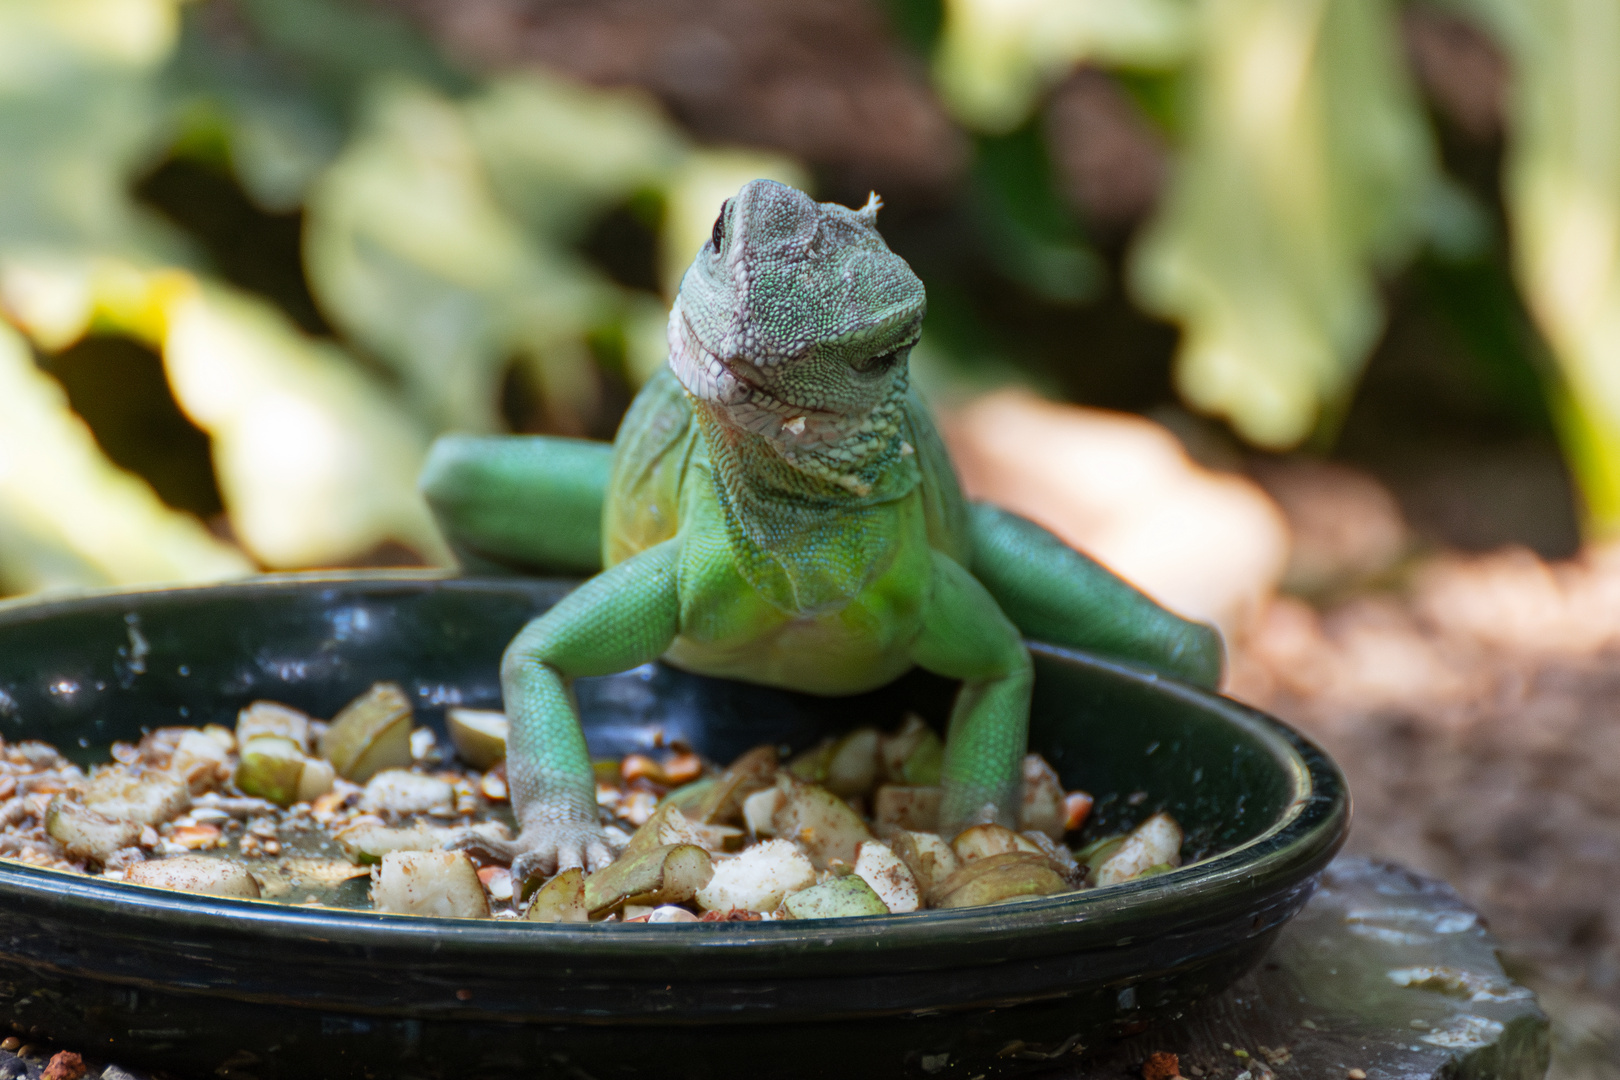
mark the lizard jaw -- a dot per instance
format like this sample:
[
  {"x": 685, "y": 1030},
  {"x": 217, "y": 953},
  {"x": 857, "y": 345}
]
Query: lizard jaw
[{"x": 712, "y": 379}]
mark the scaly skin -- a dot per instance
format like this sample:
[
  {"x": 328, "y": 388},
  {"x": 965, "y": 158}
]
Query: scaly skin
[{"x": 778, "y": 508}]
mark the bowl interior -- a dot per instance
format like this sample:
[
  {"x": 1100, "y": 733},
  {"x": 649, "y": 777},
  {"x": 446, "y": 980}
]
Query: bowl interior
[{"x": 81, "y": 673}]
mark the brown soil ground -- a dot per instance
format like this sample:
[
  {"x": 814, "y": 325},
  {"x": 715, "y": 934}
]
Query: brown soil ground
[{"x": 1475, "y": 707}]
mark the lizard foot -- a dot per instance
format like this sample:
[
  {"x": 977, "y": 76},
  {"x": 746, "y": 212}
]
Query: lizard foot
[{"x": 545, "y": 849}]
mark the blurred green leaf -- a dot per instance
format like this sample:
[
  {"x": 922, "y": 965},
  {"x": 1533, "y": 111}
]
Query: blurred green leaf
[
  {"x": 1562, "y": 188},
  {"x": 411, "y": 254},
  {"x": 557, "y": 153},
  {"x": 996, "y": 58},
  {"x": 79, "y": 114},
  {"x": 1308, "y": 168},
  {"x": 1031, "y": 233},
  {"x": 251, "y": 108}
]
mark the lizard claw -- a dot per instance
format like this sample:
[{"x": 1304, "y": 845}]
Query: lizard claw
[{"x": 544, "y": 850}]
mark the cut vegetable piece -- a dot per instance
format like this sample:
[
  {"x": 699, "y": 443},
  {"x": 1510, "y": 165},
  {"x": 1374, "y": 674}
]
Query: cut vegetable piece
[
  {"x": 1076, "y": 808},
  {"x": 758, "y": 878},
  {"x": 372, "y": 733},
  {"x": 271, "y": 767},
  {"x": 493, "y": 785},
  {"x": 821, "y": 821},
  {"x": 759, "y": 810},
  {"x": 722, "y": 801},
  {"x": 1093, "y": 855},
  {"x": 400, "y": 791},
  {"x": 755, "y": 769},
  {"x": 316, "y": 780},
  {"x": 85, "y": 834},
  {"x": 853, "y": 766},
  {"x": 671, "y": 874},
  {"x": 995, "y": 878},
  {"x": 287, "y": 877},
  {"x": 689, "y": 797},
  {"x": 562, "y": 899},
  {"x": 928, "y": 857},
  {"x": 914, "y": 755},
  {"x": 195, "y": 837},
  {"x": 273, "y": 718},
  {"x": 669, "y": 913},
  {"x": 1042, "y": 806},
  {"x": 914, "y": 809},
  {"x": 200, "y": 761},
  {"x": 982, "y": 841},
  {"x": 1062, "y": 859},
  {"x": 368, "y": 843},
  {"x": 666, "y": 826},
  {"x": 151, "y": 798},
  {"x": 835, "y": 898},
  {"x": 682, "y": 768},
  {"x": 1156, "y": 841},
  {"x": 441, "y": 883},
  {"x": 479, "y": 735},
  {"x": 878, "y": 865},
  {"x": 811, "y": 766},
  {"x": 196, "y": 874}
]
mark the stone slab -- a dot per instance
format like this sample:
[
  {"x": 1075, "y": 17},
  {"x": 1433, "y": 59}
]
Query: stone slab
[{"x": 1385, "y": 971}]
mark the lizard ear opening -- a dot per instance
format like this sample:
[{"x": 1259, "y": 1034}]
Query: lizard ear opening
[{"x": 718, "y": 236}]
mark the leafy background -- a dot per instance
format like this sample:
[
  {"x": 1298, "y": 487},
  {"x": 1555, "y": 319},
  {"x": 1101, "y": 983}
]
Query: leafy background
[{"x": 254, "y": 255}]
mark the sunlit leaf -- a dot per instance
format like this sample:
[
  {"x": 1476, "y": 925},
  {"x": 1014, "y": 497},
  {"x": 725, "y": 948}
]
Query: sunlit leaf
[
  {"x": 315, "y": 464},
  {"x": 1562, "y": 188},
  {"x": 557, "y": 153},
  {"x": 79, "y": 113},
  {"x": 411, "y": 254},
  {"x": 67, "y": 515},
  {"x": 1309, "y": 167},
  {"x": 997, "y": 57}
]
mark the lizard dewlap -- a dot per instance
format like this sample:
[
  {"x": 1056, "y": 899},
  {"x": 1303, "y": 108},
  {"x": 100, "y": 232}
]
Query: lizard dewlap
[
  {"x": 778, "y": 508},
  {"x": 760, "y": 839}
]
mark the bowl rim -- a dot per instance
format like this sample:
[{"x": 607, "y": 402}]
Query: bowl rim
[{"x": 1293, "y": 848}]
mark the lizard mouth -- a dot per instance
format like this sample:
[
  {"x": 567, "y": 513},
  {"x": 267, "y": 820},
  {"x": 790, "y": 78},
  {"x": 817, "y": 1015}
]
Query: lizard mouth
[{"x": 726, "y": 382}]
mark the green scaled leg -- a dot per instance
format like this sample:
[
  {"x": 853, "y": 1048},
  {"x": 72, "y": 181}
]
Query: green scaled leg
[
  {"x": 1057, "y": 595},
  {"x": 617, "y": 620},
  {"x": 965, "y": 636},
  {"x": 519, "y": 503}
]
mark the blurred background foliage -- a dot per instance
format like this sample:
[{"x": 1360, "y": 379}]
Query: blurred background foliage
[{"x": 256, "y": 254}]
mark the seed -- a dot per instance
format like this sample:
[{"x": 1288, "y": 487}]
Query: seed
[{"x": 1356, "y": 1074}]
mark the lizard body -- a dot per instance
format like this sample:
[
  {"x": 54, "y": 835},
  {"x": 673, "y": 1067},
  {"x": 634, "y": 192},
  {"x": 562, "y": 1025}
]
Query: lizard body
[{"x": 777, "y": 507}]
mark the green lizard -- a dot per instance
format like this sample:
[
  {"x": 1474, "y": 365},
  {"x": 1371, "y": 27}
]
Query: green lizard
[{"x": 778, "y": 508}]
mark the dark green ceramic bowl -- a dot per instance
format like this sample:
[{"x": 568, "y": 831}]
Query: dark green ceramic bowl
[{"x": 211, "y": 987}]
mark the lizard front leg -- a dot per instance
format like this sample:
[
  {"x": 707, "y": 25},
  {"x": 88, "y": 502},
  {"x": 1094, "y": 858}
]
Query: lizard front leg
[
  {"x": 619, "y": 619},
  {"x": 965, "y": 636}
]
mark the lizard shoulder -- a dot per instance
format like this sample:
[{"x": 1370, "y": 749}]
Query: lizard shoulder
[
  {"x": 650, "y": 456},
  {"x": 944, "y": 507}
]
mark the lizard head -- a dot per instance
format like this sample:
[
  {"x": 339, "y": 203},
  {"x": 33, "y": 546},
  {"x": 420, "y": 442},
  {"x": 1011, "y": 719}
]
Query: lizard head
[{"x": 796, "y": 320}]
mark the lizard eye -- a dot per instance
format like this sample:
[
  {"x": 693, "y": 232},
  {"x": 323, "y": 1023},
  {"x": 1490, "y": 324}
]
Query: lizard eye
[
  {"x": 719, "y": 235},
  {"x": 873, "y": 364}
]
